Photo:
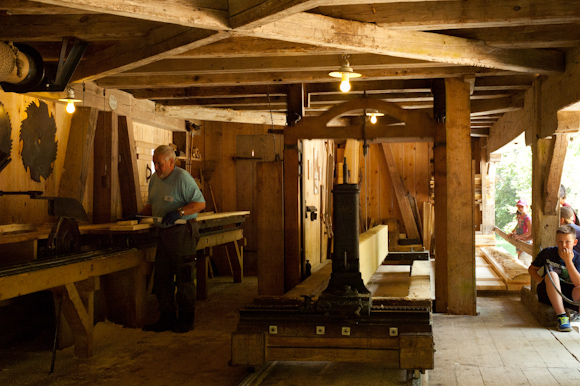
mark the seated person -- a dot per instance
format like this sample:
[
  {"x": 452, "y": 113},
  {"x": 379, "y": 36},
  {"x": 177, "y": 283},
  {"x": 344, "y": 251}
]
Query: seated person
[
  {"x": 563, "y": 265},
  {"x": 567, "y": 218}
]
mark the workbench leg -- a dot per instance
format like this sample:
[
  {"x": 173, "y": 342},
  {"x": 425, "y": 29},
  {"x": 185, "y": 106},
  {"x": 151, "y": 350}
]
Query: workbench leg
[
  {"x": 201, "y": 275},
  {"x": 238, "y": 264},
  {"x": 78, "y": 309}
]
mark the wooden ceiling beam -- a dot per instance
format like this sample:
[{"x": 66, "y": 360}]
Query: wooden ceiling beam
[
  {"x": 222, "y": 115},
  {"x": 160, "y": 43},
  {"x": 527, "y": 36},
  {"x": 365, "y": 37},
  {"x": 234, "y": 102},
  {"x": 212, "y": 15},
  {"x": 241, "y": 46},
  {"x": 19, "y": 7},
  {"x": 140, "y": 81},
  {"x": 460, "y": 14},
  {"x": 91, "y": 27},
  {"x": 258, "y": 13},
  {"x": 210, "y": 92},
  {"x": 310, "y": 63},
  {"x": 495, "y": 106}
]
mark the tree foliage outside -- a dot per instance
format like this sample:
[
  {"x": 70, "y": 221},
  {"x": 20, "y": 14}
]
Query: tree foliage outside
[{"x": 514, "y": 180}]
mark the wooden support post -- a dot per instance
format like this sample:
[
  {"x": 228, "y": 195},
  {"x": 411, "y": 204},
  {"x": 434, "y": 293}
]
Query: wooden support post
[
  {"x": 404, "y": 204},
  {"x": 79, "y": 151},
  {"x": 105, "y": 178},
  {"x": 270, "y": 229},
  {"x": 488, "y": 193},
  {"x": 130, "y": 187},
  {"x": 557, "y": 155},
  {"x": 440, "y": 190},
  {"x": 461, "y": 285},
  {"x": 292, "y": 203}
]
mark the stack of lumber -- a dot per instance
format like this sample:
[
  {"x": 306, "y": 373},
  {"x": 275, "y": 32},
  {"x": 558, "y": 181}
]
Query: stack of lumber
[{"x": 510, "y": 270}]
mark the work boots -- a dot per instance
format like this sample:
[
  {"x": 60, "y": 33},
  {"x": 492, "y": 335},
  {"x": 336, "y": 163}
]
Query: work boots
[
  {"x": 184, "y": 322},
  {"x": 166, "y": 322}
]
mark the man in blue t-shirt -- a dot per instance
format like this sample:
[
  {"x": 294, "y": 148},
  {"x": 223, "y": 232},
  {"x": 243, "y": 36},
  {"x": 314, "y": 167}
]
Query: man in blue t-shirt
[
  {"x": 176, "y": 199},
  {"x": 563, "y": 265}
]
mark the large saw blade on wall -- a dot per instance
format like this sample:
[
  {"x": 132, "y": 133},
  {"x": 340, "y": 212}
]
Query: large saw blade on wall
[
  {"x": 39, "y": 145},
  {"x": 5, "y": 132}
]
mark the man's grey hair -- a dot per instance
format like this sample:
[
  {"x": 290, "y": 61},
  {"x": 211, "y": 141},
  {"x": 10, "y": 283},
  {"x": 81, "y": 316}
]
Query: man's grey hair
[{"x": 166, "y": 151}]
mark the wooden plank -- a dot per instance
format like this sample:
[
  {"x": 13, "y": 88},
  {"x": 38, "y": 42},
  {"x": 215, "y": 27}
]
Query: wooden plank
[
  {"x": 390, "y": 358},
  {"x": 129, "y": 228},
  {"x": 330, "y": 32},
  {"x": 420, "y": 282},
  {"x": 460, "y": 236},
  {"x": 528, "y": 248},
  {"x": 270, "y": 228},
  {"x": 512, "y": 272},
  {"x": 10, "y": 228},
  {"x": 159, "y": 44},
  {"x": 373, "y": 248},
  {"x": 555, "y": 167},
  {"x": 105, "y": 175},
  {"x": 206, "y": 241},
  {"x": 416, "y": 351},
  {"x": 79, "y": 152},
  {"x": 222, "y": 115},
  {"x": 408, "y": 218},
  {"x": 26, "y": 283},
  {"x": 320, "y": 342},
  {"x": 179, "y": 12},
  {"x": 129, "y": 183},
  {"x": 315, "y": 283}
]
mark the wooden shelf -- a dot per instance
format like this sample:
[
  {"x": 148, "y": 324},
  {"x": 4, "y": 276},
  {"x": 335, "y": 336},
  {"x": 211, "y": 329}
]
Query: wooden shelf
[{"x": 185, "y": 158}]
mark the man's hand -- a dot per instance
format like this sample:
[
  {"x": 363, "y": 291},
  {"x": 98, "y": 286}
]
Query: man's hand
[{"x": 171, "y": 217}]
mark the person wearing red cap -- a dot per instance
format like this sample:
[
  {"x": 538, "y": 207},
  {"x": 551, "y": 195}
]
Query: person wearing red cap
[{"x": 523, "y": 229}]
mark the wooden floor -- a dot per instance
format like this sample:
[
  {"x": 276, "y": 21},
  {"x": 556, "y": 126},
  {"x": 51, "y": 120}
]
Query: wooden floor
[{"x": 504, "y": 346}]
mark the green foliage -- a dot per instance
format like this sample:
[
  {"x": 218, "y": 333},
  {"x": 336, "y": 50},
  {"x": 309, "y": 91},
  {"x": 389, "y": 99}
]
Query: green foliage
[{"x": 514, "y": 181}]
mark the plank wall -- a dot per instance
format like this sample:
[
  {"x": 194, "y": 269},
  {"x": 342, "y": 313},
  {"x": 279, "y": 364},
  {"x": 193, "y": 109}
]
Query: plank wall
[
  {"x": 378, "y": 200},
  {"x": 147, "y": 138},
  {"x": 229, "y": 183},
  {"x": 22, "y": 209}
]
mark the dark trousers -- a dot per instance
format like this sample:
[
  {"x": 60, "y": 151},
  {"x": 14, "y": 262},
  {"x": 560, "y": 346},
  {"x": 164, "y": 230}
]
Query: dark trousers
[{"x": 175, "y": 266}]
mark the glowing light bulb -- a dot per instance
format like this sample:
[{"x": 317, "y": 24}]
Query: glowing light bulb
[
  {"x": 345, "y": 84},
  {"x": 70, "y": 107},
  {"x": 252, "y": 152},
  {"x": 373, "y": 119}
]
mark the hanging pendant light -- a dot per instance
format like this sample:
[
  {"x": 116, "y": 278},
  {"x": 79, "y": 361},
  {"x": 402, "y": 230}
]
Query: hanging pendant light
[
  {"x": 70, "y": 99},
  {"x": 345, "y": 72},
  {"x": 373, "y": 114}
]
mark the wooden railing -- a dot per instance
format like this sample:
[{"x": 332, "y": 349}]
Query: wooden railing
[{"x": 528, "y": 248}]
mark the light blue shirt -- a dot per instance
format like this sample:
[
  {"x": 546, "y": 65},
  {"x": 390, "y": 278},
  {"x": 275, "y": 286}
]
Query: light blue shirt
[{"x": 176, "y": 191}]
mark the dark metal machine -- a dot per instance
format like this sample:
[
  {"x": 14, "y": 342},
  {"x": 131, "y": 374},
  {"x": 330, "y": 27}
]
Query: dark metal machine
[{"x": 344, "y": 324}]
